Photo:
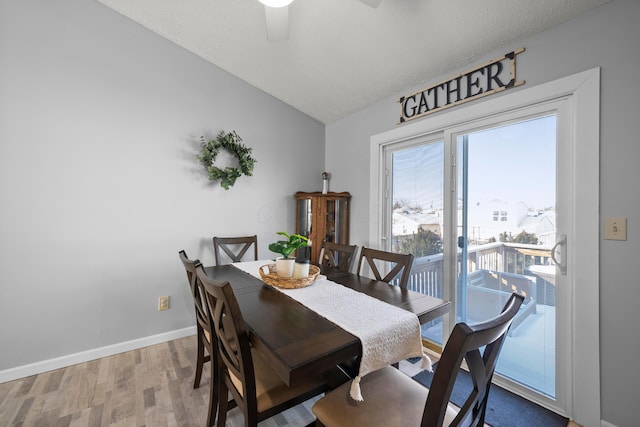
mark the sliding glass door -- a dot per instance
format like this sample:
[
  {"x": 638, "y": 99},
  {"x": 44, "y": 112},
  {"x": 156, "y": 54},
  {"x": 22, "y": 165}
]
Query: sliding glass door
[{"x": 481, "y": 199}]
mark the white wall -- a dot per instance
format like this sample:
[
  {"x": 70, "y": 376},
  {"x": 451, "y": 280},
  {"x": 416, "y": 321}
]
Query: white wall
[
  {"x": 100, "y": 121},
  {"x": 605, "y": 37}
]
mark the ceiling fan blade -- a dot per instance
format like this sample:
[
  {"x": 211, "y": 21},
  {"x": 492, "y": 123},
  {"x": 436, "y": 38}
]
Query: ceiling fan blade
[
  {"x": 372, "y": 3},
  {"x": 277, "y": 23}
]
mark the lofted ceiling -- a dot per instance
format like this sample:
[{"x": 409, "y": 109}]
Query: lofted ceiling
[{"x": 342, "y": 55}]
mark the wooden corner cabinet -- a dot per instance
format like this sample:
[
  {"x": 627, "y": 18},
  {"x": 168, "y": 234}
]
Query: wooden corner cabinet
[{"x": 322, "y": 217}]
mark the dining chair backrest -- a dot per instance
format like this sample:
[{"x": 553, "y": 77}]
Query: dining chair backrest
[
  {"x": 466, "y": 342},
  {"x": 376, "y": 260},
  {"x": 234, "y": 350},
  {"x": 203, "y": 333},
  {"x": 202, "y": 316},
  {"x": 235, "y": 248},
  {"x": 393, "y": 399},
  {"x": 337, "y": 255},
  {"x": 255, "y": 387}
]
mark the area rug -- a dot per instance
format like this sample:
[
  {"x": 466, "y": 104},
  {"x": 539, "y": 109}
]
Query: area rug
[{"x": 504, "y": 409}]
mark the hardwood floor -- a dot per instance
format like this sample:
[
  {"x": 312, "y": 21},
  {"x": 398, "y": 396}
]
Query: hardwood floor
[{"x": 152, "y": 386}]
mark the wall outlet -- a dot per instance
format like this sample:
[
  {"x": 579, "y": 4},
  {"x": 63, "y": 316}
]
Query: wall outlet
[{"x": 163, "y": 303}]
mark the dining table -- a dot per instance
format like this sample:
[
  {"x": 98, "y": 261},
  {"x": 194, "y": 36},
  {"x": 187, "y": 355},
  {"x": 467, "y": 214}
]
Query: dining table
[{"x": 297, "y": 342}]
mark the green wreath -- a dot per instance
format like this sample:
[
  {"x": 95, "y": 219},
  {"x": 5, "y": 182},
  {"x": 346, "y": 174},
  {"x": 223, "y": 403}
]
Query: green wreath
[{"x": 230, "y": 142}]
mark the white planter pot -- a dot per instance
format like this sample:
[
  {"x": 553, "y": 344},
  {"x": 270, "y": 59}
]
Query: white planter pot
[{"x": 284, "y": 267}]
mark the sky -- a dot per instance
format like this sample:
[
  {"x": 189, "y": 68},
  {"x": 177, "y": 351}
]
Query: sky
[{"x": 516, "y": 162}]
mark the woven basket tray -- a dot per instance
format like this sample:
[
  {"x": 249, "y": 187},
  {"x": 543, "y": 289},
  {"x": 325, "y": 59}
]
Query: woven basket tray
[{"x": 273, "y": 279}]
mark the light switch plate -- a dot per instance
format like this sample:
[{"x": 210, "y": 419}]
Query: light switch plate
[{"x": 615, "y": 228}]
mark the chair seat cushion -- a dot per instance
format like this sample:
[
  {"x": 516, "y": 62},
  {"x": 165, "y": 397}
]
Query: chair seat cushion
[
  {"x": 391, "y": 398},
  {"x": 271, "y": 391}
]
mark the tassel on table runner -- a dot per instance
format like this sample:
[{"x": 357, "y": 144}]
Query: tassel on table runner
[{"x": 356, "y": 393}]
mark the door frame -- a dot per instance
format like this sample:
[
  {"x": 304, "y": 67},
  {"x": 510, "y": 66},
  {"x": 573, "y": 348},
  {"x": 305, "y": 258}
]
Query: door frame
[{"x": 582, "y": 93}]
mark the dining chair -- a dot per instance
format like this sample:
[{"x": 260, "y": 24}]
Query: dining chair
[
  {"x": 394, "y": 399},
  {"x": 256, "y": 389},
  {"x": 375, "y": 258},
  {"x": 337, "y": 255},
  {"x": 235, "y": 248},
  {"x": 203, "y": 335}
]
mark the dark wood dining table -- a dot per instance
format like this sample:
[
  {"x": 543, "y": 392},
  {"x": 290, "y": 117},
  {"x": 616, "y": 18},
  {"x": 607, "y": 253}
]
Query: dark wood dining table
[{"x": 297, "y": 342}]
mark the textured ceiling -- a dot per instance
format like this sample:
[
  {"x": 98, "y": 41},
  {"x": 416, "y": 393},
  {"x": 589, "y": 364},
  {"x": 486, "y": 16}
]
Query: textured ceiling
[{"x": 342, "y": 55}]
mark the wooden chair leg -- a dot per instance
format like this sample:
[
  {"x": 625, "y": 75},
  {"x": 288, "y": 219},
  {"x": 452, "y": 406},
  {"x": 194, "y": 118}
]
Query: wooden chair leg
[
  {"x": 214, "y": 394},
  {"x": 222, "y": 403},
  {"x": 199, "y": 362}
]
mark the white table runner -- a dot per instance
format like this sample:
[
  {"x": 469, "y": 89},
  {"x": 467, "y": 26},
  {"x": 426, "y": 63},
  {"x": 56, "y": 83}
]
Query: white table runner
[{"x": 388, "y": 334}]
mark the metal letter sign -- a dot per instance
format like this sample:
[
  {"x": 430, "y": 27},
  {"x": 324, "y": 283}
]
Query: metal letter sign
[{"x": 492, "y": 77}]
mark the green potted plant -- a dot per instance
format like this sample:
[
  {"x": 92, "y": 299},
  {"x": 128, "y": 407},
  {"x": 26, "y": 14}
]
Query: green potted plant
[{"x": 284, "y": 265}]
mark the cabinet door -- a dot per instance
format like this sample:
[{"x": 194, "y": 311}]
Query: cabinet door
[
  {"x": 304, "y": 223},
  {"x": 322, "y": 217},
  {"x": 337, "y": 221},
  {"x": 303, "y": 217}
]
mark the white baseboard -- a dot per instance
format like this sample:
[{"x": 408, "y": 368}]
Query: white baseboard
[
  {"x": 603, "y": 423},
  {"x": 96, "y": 353}
]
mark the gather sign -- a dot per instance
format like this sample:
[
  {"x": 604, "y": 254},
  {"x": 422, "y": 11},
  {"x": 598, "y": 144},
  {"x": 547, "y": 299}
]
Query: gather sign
[{"x": 492, "y": 77}]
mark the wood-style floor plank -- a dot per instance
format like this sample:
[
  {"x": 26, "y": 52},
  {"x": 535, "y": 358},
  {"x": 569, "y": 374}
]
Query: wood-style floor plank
[{"x": 148, "y": 387}]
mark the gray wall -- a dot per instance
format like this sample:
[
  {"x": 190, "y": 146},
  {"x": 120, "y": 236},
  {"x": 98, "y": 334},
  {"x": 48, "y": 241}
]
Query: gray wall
[
  {"x": 100, "y": 121},
  {"x": 99, "y": 124},
  {"x": 605, "y": 37}
]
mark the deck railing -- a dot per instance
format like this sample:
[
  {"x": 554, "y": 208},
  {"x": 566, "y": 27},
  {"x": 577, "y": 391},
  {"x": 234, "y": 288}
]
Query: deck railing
[{"x": 426, "y": 274}]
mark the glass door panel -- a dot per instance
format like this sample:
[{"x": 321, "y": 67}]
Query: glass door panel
[
  {"x": 417, "y": 194},
  {"x": 337, "y": 224},
  {"x": 506, "y": 228},
  {"x": 304, "y": 222}
]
